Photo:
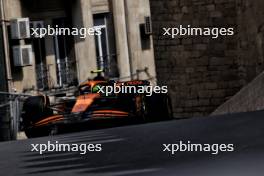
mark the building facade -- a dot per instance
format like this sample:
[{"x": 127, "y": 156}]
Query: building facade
[
  {"x": 4, "y": 108},
  {"x": 201, "y": 72},
  {"x": 60, "y": 61}
]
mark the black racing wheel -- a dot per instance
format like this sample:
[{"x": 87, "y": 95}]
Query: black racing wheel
[{"x": 35, "y": 108}]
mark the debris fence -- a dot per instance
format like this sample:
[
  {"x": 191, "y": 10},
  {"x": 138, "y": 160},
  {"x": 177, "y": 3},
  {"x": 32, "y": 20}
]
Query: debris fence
[{"x": 10, "y": 115}]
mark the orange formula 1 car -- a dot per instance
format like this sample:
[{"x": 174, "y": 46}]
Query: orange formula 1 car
[{"x": 40, "y": 118}]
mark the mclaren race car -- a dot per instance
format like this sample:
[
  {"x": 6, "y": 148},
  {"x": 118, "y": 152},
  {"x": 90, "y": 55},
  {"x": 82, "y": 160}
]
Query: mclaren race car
[{"x": 90, "y": 105}]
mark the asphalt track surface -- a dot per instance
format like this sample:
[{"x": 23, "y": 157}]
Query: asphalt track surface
[{"x": 138, "y": 150}]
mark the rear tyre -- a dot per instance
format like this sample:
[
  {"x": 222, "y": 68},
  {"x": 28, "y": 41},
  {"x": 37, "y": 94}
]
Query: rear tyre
[
  {"x": 35, "y": 109},
  {"x": 160, "y": 107}
]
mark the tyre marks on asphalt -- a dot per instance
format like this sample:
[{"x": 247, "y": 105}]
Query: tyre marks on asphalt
[{"x": 35, "y": 164}]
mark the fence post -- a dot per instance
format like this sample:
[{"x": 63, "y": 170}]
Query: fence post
[{"x": 15, "y": 117}]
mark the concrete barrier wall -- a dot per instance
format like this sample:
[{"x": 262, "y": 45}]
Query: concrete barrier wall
[{"x": 250, "y": 98}]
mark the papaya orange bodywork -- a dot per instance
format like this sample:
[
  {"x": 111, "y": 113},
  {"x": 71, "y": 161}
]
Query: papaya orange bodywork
[
  {"x": 83, "y": 102},
  {"x": 49, "y": 119}
]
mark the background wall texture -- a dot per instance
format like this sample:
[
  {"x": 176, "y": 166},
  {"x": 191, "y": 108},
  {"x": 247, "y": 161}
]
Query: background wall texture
[{"x": 203, "y": 73}]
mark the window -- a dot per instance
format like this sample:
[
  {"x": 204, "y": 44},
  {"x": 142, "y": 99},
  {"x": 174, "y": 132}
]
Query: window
[
  {"x": 105, "y": 45},
  {"x": 40, "y": 57},
  {"x": 64, "y": 63}
]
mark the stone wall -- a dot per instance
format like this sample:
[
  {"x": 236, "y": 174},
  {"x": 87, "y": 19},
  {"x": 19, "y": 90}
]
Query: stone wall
[
  {"x": 202, "y": 73},
  {"x": 250, "y": 54},
  {"x": 250, "y": 19}
]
